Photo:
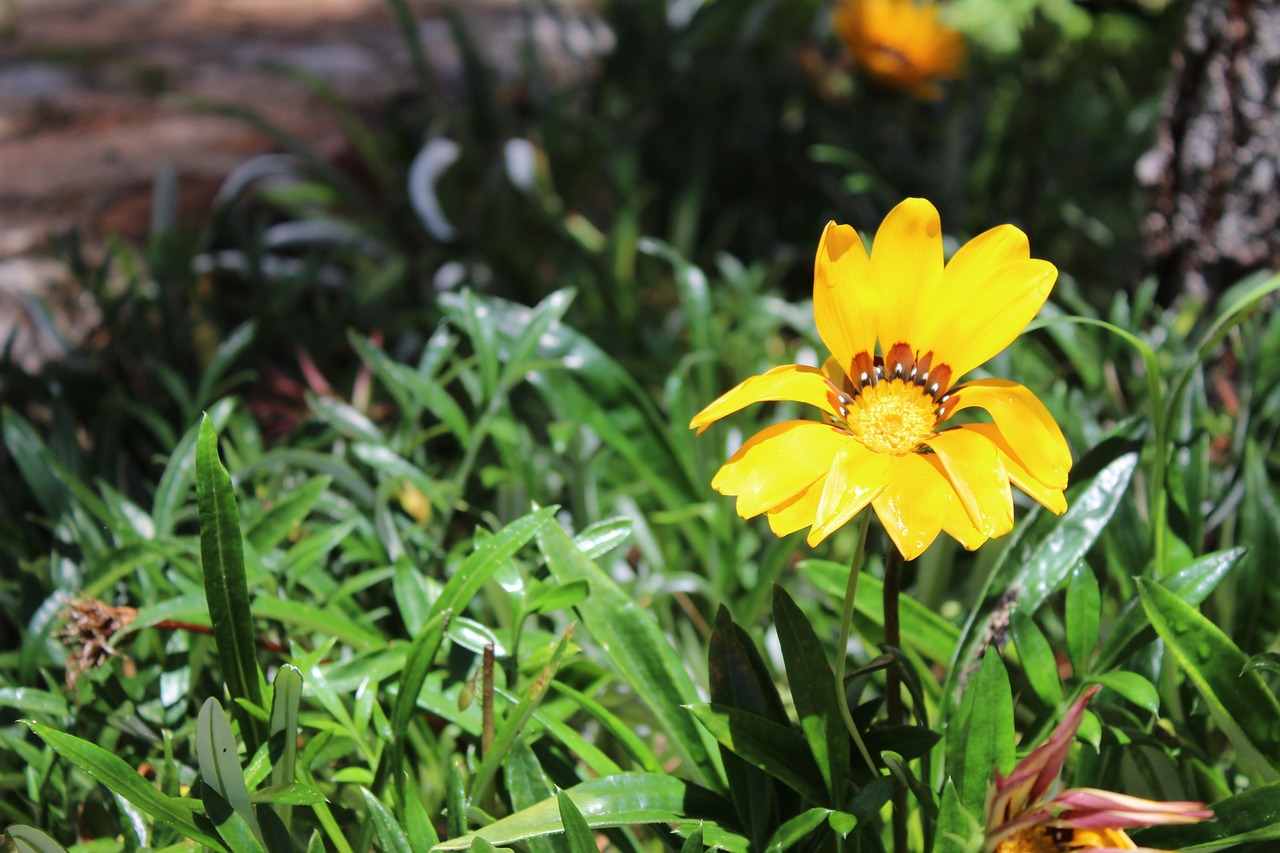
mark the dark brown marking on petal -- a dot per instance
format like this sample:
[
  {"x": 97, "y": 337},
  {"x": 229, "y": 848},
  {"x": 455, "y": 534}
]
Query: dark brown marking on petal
[
  {"x": 862, "y": 371},
  {"x": 921, "y": 374},
  {"x": 898, "y": 361},
  {"x": 939, "y": 380},
  {"x": 946, "y": 405}
]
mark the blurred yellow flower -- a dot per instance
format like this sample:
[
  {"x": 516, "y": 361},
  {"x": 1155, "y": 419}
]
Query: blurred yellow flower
[
  {"x": 901, "y": 43},
  {"x": 881, "y": 440},
  {"x": 1022, "y": 817}
]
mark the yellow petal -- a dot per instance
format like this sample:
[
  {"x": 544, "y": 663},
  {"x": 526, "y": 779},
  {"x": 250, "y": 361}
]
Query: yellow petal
[
  {"x": 798, "y": 512},
  {"x": 778, "y": 463},
  {"x": 844, "y": 295},
  {"x": 973, "y": 467},
  {"x": 1052, "y": 499},
  {"x": 1033, "y": 436},
  {"x": 857, "y": 476},
  {"x": 973, "y": 262},
  {"x": 984, "y": 309},
  {"x": 1100, "y": 839},
  {"x": 918, "y": 503},
  {"x": 788, "y": 382},
  {"x": 906, "y": 258},
  {"x": 992, "y": 248}
]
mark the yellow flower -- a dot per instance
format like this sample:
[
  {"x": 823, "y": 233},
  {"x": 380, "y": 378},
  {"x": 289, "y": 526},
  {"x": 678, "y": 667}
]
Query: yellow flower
[
  {"x": 901, "y": 43},
  {"x": 882, "y": 439},
  {"x": 1022, "y": 817}
]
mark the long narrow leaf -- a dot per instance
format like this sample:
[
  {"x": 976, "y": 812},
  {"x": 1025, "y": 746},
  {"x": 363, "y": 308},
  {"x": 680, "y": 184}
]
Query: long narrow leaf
[
  {"x": 621, "y": 800},
  {"x": 487, "y": 559},
  {"x": 1240, "y": 702},
  {"x": 226, "y": 589},
  {"x": 219, "y": 765},
  {"x": 637, "y": 650},
  {"x": 113, "y": 772}
]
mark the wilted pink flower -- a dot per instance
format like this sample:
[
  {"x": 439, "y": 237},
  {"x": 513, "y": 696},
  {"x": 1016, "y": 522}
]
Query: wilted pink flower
[{"x": 1024, "y": 815}]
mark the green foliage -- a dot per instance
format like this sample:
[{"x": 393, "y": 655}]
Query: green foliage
[{"x": 386, "y": 526}]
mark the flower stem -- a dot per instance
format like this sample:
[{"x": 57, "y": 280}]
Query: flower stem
[
  {"x": 893, "y": 683},
  {"x": 842, "y": 650}
]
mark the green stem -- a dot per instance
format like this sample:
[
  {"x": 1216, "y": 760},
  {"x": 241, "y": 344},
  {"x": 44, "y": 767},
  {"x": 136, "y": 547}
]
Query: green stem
[
  {"x": 893, "y": 682},
  {"x": 842, "y": 650}
]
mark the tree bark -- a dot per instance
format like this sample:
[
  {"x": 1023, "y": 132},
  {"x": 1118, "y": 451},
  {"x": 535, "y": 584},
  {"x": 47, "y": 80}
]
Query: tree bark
[{"x": 1213, "y": 176}]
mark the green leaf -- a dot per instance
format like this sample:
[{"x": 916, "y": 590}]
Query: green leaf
[
  {"x": 988, "y": 741},
  {"x": 526, "y": 782},
  {"x": 29, "y": 700},
  {"x": 796, "y": 830},
  {"x": 216, "y": 751},
  {"x": 615, "y": 726},
  {"x": 1240, "y": 703},
  {"x": 487, "y": 558},
  {"x": 1193, "y": 585},
  {"x": 1250, "y": 817},
  {"x": 1029, "y": 571},
  {"x": 231, "y": 825},
  {"x": 419, "y": 828},
  {"x": 777, "y": 750},
  {"x": 528, "y": 786},
  {"x": 587, "y": 386},
  {"x": 611, "y": 801},
  {"x": 282, "y": 733},
  {"x": 1131, "y": 686},
  {"x": 346, "y": 419},
  {"x": 422, "y": 655},
  {"x": 390, "y": 836},
  {"x": 113, "y": 772},
  {"x": 1037, "y": 658},
  {"x": 957, "y": 830},
  {"x": 739, "y": 680},
  {"x": 693, "y": 844},
  {"x": 413, "y": 390},
  {"x": 635, "y": 647},
  {"x": 456, "y": 802},
  {"x": 1084, "y": 605},
  {"x": 28, "y": 839},
  {"x": 1266, "y": 661},
  {"x": 322, "y": 620},
  {"x": 28, "y": 452},
  {"x": 271, "y": 527},
  {"x": 292, "y": 794},
  {"x": 235, "y": 343},
  {"x": 813, "y": 690},
  {"x": 552, "y": 597},
  {"x": 600, "y": 538},
  {"x": 576, "y": 832},
  {"x": 226, "y": 589}
]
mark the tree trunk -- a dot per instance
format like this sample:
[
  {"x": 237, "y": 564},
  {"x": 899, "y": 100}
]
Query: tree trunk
[{"x": 1213, "y": 177}]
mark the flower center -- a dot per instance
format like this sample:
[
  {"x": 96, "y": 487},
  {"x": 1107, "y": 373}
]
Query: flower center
[
  {"x": 893, "y": 404},
  {"x": 1063, "y": 839},
  {"x": 892, "y": 417},
  {"x": 1033, "y": 839}
]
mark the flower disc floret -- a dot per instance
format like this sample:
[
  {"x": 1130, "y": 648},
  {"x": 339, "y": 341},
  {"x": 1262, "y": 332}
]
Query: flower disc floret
[{"x": 893, "y": 417}]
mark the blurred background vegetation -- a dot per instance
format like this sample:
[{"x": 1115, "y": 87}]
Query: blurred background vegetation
[{"x": 508, "y": 292}]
